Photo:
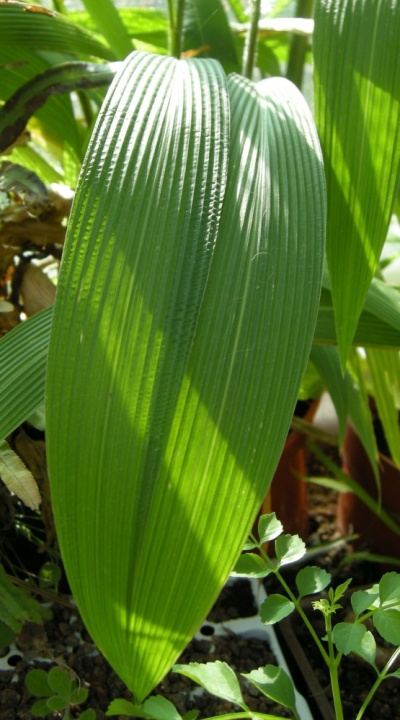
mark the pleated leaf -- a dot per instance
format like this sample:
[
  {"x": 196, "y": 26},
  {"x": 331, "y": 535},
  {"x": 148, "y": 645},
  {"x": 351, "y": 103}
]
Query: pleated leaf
[
  {"x": 349, "y": 398},
  {"x": 379, "y": 323},
  {"x": 357, "y": 70},
  {"x": 23, "y": 357},
  {"x": 384, "y": 369},
  {"x": 178, "y": 345},
  {"x": 35, "y": 28}
]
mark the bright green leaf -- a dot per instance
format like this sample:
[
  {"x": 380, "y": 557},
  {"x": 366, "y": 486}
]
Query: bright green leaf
[
  {"x": 350, "y": 637},
  {"x": 274, "y": 608},
  {"x": 250, "y": 565},
  {"x": 124, "y": 707},
  {"x": 23, "y": 357},
  {"x": 56, "y": 702},
  {"x": 40, "y": 708},
  {"x": 273, "y": 682},
  {"x": 269, "y": 527},
  {"x": 310, "y": 580},
  {"x": 215, "y": 677},
  {"x": 289, "y": 549},
  {"x": 88, "y": 714},
  {"x": 21, "y": 26},
  {"x": 59, "y": 681},
  {"x": 387, "y": 623},
  {"x": 191, "y": 715},
  {"x": 78, "y": 695},
  {"x": 160, "y": 708},
  {"x": 361, "y": 600},
  {"x": 179, "y": 397},
  {"x": 109, "y": 22},
  {"x": 384, "y": 373},
  {"x": 389, "y": 588},
  {"x": 206, "y": 29},
  {"x": 348, "y": 398},
  {"x": 340, "y": 590},
  {"x": 37, "y": 683}
]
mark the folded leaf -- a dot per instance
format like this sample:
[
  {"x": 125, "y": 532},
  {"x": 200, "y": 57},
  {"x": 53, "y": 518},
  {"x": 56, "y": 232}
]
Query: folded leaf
[
  {"x": 17, "y": 477},
  {"x": 179, "y": 340}
]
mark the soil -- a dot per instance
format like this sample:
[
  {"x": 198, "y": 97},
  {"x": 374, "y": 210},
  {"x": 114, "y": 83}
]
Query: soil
[{"x": 63, "y": 640}]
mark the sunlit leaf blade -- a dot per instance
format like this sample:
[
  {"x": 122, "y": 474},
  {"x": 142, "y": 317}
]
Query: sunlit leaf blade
[
  {"x": 357, "y": 70},
  {"x": 384, "y": 369},
  {"x": 379, "y": 323},
  {"x": 275, "y": 684},
  {"x": 174, "y": 368},
  {"x": 23, "y": 356},
  {"x": 348, "y": 397},
  {"x": 32, "y": 27},
  {"x": 146, "y": 25},
  {"x": 111, "y": 26},
  {"x": 215, "y": 677},
  {"x": 206, "y": 31},
  {"x": 131, "y": 344}
]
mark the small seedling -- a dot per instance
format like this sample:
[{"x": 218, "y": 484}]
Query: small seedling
[
  {"x": 57, "y": 693},
  {"x": 380, "y": 604},
  {"x": 16, "y": 607}
]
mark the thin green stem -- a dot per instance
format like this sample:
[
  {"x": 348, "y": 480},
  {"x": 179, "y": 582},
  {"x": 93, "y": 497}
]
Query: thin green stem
[
  {"x": 250, "y": 50},
  {"x": 305, "y": 619},
  {"x": 176, "y": 15},
  {"x": 59, "y": 6},
  {"x": 250, "y": 714},
  {"x": 333, "y": 664},
  {"x": 381, "y": 677},
  {"x": 299, "y": 45}
]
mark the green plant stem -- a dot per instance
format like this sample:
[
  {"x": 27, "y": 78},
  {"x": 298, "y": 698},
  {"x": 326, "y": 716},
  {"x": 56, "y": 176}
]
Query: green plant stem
[
  {"x": 299, "y": 45},
  {"x": 250, "y": 714},
  {"x": 59, "y": 6},
  {"x": 293, "y": 598},
  {"x": 381, "y": 677},
  {"x": 251, "y": 40},
  {"x": 175, "y": 26},
  {"x": 333, "y": 664},
  {"x": 331, "y": 661}
]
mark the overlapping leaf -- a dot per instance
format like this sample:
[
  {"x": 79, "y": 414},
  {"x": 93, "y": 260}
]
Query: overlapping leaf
[
  {"x": 23, "y": 357},
  {"x": 357, "y": 70}
]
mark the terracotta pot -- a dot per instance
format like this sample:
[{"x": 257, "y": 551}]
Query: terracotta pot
[
  {"x": 287, "y": 496},
  {"x": 352, "y": 514}
]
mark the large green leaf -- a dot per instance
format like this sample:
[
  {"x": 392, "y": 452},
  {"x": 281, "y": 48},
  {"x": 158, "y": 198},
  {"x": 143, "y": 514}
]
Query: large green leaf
[
  {"x": 178, "y": 344},
  {"x": 32, "y": 27},
  {"x": 384, "y": 369},
  {"x": 357, "y": 88},
  {"x": 206, "y": 30},
  {"x": 349, "y": 398},
  {"x": 110, "y": 24},
  {"x": 145, "y": 25}
]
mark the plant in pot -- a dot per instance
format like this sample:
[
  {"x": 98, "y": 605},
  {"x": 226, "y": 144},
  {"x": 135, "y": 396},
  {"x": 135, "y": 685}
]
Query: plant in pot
[{"x": 187, "y": 304}]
